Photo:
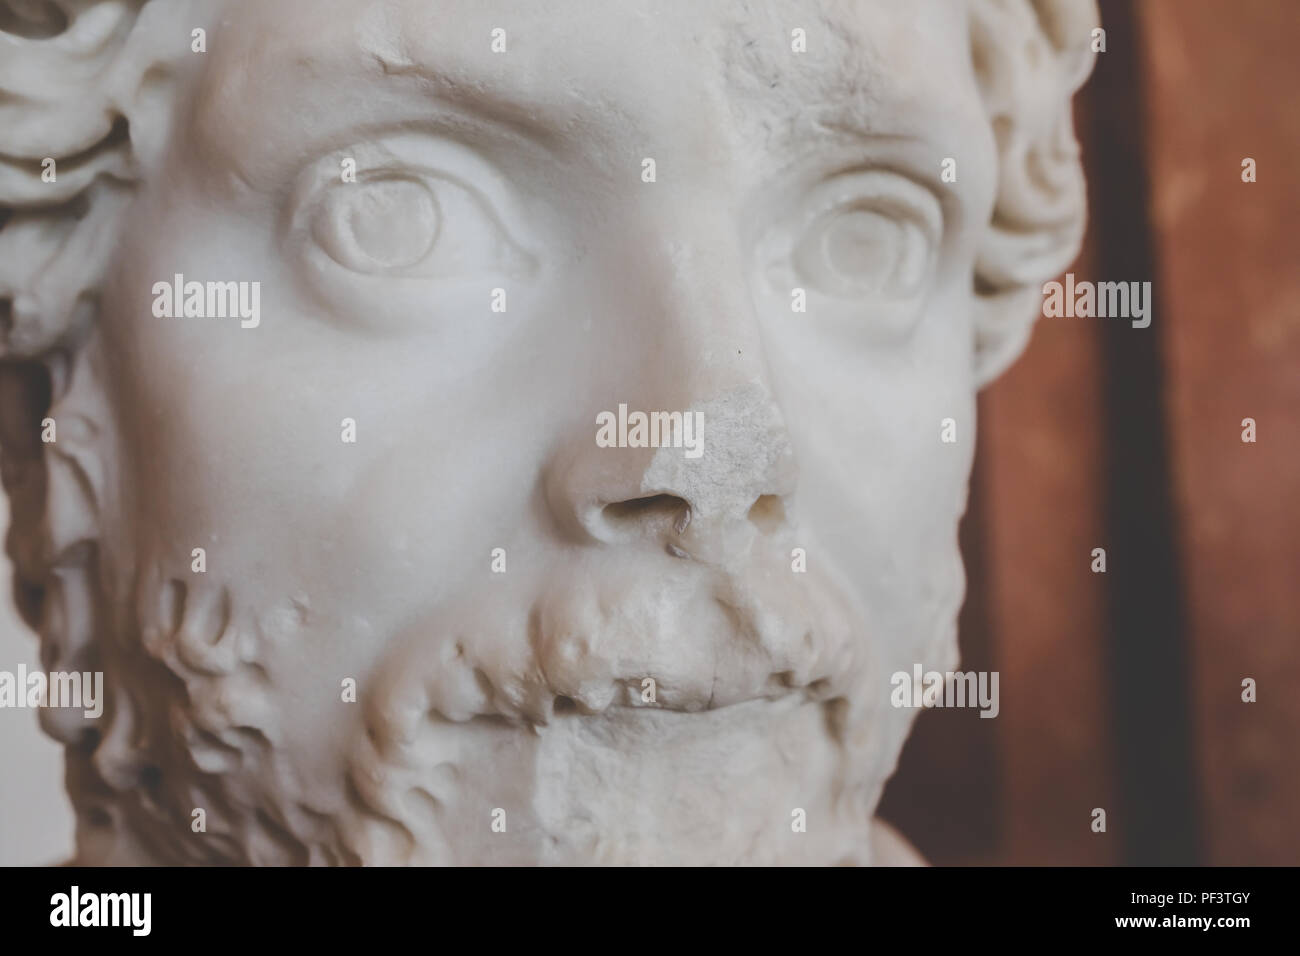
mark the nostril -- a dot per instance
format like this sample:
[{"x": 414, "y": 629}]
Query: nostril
[
  {"x": 649, "y": 512},
  {"x": 767, "y": 513}
]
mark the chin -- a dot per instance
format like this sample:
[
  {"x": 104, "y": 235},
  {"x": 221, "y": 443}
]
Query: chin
[{"x": 764, "y": 782}]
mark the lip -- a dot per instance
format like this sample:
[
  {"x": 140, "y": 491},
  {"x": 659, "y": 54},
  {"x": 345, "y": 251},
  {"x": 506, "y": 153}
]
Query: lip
[
  {"x": 617, "y": 635},
  {"x": 780, "y": 686},
  {"x": 550, "y": 692},
  {"x": 566, "y": 708},
  {"x": 737, "y": 665},
  {"x": 443, "y": 683}
]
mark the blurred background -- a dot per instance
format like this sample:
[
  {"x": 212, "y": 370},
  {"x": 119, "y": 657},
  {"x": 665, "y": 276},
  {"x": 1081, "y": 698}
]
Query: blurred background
[
  {"x": 1119, "y": 690},
  {"x": 1123, "y": 690}
]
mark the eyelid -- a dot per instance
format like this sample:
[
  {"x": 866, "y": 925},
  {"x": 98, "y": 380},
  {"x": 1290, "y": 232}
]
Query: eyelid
[
  {"x": 919, "y": 204},
  {"x": 876, "y": 188},
  {"x": 404, "y": 151}
]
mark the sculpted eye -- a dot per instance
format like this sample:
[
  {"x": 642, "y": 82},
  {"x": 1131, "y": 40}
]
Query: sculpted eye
[
  {"x": 378, "y": 226},
  {"x": 862, "y": 249},
  {"x": 398, "y": 223},
  {"x": 411, "y": 205},
  {"x": 857, "y": 250},
  {"x": 405, "y": 232}
]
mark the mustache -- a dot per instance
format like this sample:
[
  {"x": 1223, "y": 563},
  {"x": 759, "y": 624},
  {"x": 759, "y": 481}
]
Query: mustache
[{"x": 606, "y": 633}]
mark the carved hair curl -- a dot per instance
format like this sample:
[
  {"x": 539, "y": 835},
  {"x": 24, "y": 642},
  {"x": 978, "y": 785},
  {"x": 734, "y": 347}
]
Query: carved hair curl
[{"x": 1030, "y": 57}]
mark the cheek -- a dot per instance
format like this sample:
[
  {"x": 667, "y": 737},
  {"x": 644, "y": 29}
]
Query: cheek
[
  {"x": 887, "y": 485},
  {"x": 886, "y": 442},
  {"x": 300, "y": 478}
]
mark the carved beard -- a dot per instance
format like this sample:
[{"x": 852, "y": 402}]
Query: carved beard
[
  {"x": 185, "y": 729},
  {"x": 194, "y": 723},
  {"x": 179, "y": 712},
  {"x": 537, "y": 719},
  {"x": 463, "y": 732}
]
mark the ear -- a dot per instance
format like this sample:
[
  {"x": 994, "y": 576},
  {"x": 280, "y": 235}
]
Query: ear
[{"x": 1031, "y": 56}]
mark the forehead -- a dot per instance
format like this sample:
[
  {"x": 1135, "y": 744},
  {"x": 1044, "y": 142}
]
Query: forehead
[{"x": 612, "y": 69}]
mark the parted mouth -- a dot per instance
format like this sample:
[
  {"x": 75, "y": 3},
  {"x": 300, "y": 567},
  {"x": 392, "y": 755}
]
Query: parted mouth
[
  {"x": 631, "y": 694},
  {"x": 642, "y": 695},
  {"x": 569, "y": 679}
]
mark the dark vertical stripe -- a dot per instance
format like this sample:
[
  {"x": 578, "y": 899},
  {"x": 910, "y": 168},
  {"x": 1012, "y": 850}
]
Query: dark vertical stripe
[{"x": 1147, "y": 655}]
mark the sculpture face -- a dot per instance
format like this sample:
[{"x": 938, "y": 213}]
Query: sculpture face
[{"x": 645, "y": 672}]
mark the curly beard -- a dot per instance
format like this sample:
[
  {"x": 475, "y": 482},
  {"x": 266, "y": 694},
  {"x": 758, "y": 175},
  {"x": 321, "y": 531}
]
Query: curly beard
[{"x": 484, "y": 735}]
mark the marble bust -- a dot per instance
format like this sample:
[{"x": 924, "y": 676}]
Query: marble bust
[{"x": 337, "y": 336}]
